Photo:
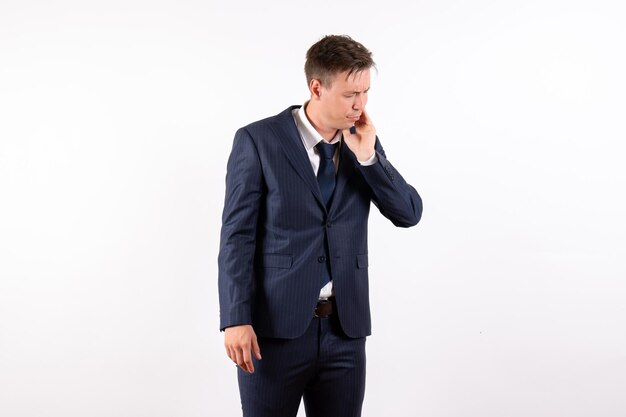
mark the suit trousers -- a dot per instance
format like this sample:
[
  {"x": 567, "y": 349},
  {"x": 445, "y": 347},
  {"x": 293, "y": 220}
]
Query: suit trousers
[{"x": 323, "y": 366}]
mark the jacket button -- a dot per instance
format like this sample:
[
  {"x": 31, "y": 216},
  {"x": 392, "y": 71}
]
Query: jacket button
[
  {"x": 321, "y": 259},
  {"x": 329, "y": 224}
]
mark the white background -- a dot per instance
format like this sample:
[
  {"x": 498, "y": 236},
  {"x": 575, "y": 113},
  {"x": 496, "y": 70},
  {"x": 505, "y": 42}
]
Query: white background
[{"x": 116, "y": 121}]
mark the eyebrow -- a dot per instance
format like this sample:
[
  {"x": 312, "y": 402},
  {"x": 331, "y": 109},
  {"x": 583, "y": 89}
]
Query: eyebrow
[{"x": 356, "y": 91}]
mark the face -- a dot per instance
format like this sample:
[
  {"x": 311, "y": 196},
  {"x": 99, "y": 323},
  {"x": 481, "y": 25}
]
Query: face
[{"x": 342, "y": 103}]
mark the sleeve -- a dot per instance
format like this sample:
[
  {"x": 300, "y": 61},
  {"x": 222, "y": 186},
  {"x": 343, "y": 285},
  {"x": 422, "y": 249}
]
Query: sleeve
[
  {"x": 244, "y": 190},
  {"x": 395, "y": 198}
]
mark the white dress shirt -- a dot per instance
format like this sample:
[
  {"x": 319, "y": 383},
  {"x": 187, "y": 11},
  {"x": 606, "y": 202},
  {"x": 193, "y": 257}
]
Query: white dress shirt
[{"x": 310, "y": 137}]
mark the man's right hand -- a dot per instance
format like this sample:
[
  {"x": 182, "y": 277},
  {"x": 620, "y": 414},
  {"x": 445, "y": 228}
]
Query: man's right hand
[{"x": 240, "y": 341}]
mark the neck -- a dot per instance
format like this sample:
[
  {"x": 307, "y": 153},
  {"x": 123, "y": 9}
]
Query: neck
[{"x": 312, "y": 113}]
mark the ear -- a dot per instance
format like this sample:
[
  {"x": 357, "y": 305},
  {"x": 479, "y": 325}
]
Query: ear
[{"x": 315, "y": 87}]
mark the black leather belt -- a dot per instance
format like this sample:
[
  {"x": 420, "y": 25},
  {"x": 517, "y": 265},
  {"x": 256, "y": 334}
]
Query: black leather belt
[{"x": 324, "y": 308}]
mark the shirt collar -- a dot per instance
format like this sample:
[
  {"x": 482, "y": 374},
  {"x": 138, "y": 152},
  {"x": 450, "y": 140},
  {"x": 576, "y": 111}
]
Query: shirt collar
[{"x": 310, "y": 136}]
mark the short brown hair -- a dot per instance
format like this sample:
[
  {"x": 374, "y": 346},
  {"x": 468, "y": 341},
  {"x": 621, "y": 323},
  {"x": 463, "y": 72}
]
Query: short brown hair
[{"x": 334, "y": 54}]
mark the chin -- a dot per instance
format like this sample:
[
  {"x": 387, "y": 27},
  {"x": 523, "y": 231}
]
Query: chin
[{"x": 343, "y": 126}]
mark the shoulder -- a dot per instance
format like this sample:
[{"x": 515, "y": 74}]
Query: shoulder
[{"x": 264, "y": 126}]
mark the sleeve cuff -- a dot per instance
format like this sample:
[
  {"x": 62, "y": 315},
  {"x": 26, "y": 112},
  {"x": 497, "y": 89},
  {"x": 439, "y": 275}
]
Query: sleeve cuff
[{"x": 370, "y": 161}]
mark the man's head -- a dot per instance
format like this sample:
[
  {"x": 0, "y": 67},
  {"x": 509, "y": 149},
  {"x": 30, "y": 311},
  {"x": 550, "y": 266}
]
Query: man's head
[
  {"x": 335, "y": 54},
  {"x": 337, "y": 69}
]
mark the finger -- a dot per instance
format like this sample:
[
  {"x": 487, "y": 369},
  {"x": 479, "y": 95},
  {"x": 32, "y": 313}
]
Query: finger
[
  {"x": 256, "y": 348},
  {"x": 239, "y": 359},
  {"x": 229, "y": 351},
  {"x": 243, "y": 359},
  {"x": 247, "y": 359},
  {"x": 365, "y": 117},
  {"x": 232, "y": 355},
  {"x": 228, "y": 345}
]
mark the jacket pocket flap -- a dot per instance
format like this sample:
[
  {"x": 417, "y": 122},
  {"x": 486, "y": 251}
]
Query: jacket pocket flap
[
  {"x": 361, "y": 261},
  {"x": 271, "y": 260}
]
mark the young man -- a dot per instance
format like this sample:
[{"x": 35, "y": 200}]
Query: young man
[{"x": 293, "y": 282}]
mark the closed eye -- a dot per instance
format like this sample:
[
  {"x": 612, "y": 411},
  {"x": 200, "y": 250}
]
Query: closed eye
[{"x": 348, "y": 95}]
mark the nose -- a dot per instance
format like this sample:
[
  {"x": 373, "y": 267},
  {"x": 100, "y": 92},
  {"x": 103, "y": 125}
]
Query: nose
[{"x": 358, "y": 102}]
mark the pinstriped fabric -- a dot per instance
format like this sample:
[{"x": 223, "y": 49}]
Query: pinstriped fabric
[
  {"x": 323, "y": 366},
  {"x": 277, "y": 238},
  {"x": 274, "y": 227}
]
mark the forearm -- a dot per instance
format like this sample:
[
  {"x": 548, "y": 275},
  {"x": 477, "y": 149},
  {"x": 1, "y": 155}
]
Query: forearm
[{"x": 395, "y": 198}]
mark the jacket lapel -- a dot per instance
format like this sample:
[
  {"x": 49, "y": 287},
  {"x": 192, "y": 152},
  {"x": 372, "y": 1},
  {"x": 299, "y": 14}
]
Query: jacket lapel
[
  {"x": 285, "y": 128},
  {"x": 343, "y": 173}
]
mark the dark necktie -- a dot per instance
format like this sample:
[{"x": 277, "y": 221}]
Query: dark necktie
[
  {"x": 326, "y": 171},
  {"x": 326, "y": 180}
]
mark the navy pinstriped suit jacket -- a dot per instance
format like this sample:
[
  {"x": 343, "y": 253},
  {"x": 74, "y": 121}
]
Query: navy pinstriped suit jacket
[{"x": 272, "y": 252}]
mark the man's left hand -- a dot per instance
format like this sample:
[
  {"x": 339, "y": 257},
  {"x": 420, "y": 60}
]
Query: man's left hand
[{"x": 362, "y": 142}]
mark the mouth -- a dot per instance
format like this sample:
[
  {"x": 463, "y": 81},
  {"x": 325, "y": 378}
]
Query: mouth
[{"x": 354, "y": 118}]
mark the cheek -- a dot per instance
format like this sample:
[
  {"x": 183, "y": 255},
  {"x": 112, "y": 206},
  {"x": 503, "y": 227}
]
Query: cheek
[
  {"x": 346, "y": 106},
  {"x": 341, "y": 108}
]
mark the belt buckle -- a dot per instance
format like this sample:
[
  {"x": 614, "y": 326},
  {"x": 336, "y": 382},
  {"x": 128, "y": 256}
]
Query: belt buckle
[{"x": 320, "y": 301}]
